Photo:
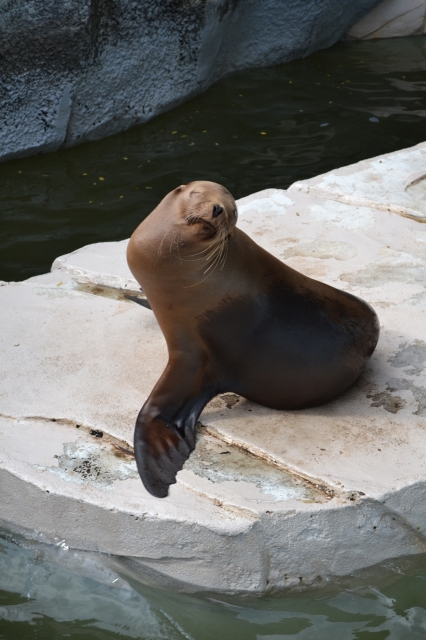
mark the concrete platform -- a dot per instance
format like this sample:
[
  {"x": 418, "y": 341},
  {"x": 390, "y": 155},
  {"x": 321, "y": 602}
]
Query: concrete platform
[
  {"x": 391, "y": 19},
  {"x": 269, "y": 499}
]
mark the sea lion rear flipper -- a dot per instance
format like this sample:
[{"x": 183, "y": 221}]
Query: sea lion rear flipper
[{"x": 161, "y": 449}]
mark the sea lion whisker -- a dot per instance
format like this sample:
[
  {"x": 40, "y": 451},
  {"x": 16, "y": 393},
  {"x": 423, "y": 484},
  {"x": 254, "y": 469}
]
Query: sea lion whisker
[
  {"x": 163, "y": 238},
  {"x": 200, "y": 252},
  {"x": 208, "y": 248},
  {"x": 214, "y": 264},
  {"x": 161, "y": 243},
  {"x": 221, "y": 253},
  {"x": 214, "y": 247},
  {"x": 224, "y": 255},
  {"x": 172, "y": 242},
  {"x": 197, "y": 283},
  {"x": 222, "y": 242},
  {"x": 215, "y": 258},
  {"x": 211, "y": 247}
]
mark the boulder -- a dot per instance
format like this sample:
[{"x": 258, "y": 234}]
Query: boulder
[{"x": 72, "y": 71}]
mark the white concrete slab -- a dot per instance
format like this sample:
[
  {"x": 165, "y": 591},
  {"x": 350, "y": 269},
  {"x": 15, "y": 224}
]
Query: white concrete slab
[
  {"x": 269, "y": 499},
  {"x": 395, "y": 182},
  {"x": 391, "y": 19},
  {"x": 102, "y": 263}
]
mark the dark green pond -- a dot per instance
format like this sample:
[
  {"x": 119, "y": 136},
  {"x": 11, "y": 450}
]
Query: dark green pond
[{"x": 252, "y": 130}]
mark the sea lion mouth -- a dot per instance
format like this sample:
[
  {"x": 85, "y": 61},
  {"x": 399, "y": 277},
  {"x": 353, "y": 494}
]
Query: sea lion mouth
[{"x": 194, "y": 219}]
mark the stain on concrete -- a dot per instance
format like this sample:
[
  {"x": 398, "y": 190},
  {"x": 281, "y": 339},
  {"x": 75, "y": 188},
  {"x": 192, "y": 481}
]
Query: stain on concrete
[
  {"x": 397, "y": 267},
  {"x": 337, "y": 215},
  {"x": 72, "y": 289},
  {"x": 220, "y": 462},
  {"x": 386, "y": 400},
  {"x": 419, "y": 393},
  {"x": 230, "y": 399},
  {"x": 412, "y": 355},
  {"x": 65, "y": 291},
  {"x": 87, "y": 463},
  {"x": 419, "y": 299},
  {"x": 113, "y": 293},
  {"x": 323, "y": 250}
]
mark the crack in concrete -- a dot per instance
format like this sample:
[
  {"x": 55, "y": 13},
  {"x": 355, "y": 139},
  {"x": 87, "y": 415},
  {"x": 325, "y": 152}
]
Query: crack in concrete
[
  {"x": 404, "y": 211},
  {"x": 123, "y": 447},
  {"x": 402, "y": 521},
  {"x": 217, "y": 462},
  {"x": 317, "y": 484},
  {"x": 395, "y": 18}
]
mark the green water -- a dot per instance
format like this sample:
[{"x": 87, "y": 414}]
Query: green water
[
  {"x": 252, "y": 130},
  {"x": 353, "y": 101},
  {"x": 50, "y": 593}
]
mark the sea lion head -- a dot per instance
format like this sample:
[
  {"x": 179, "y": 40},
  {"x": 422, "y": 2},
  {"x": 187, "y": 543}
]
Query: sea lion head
[
  {"x": 202, "y": 210},
  {"x": 201, "y": 217},
  {"x": 191, "y": 226}
]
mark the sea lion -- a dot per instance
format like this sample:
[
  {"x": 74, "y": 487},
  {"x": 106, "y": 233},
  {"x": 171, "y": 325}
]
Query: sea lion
[{"x": 235, "y": 319}]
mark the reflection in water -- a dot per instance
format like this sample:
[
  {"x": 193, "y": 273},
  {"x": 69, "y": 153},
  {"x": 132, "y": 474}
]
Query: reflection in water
[
  {"x": 252, "y": 130},
  {"x": 53, "y": 592}
]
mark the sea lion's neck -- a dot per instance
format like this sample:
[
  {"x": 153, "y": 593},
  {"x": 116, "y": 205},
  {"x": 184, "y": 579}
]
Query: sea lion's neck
[{"x": 180, "y": 286}]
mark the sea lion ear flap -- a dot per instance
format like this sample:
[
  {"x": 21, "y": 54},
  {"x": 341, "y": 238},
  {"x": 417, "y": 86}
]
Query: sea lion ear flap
[{"x": 161, "y": 449}]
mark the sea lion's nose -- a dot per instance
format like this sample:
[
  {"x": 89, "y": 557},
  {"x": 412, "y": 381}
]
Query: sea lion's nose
[{"x": 217, "y": 210}]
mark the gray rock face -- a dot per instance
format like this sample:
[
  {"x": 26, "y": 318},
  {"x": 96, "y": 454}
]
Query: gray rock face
[{"x": 72, "y": 71}]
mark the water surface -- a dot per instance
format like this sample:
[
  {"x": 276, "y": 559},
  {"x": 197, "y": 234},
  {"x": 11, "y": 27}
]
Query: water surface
[
  {"x": 50, "y": 593},
  {"x": 252, "y": 130}
]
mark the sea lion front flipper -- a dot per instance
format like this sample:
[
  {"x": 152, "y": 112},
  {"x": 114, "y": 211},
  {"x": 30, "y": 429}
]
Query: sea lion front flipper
[
  {"x": 165, "y": 427},
  {"x": 161, "y": 449}
]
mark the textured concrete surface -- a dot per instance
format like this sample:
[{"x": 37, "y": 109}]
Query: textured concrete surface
[
  {"x": 392, "y": 18},
  {"x": 269, "y": 499},
  {"x": 395, "y": 182},
  {"x": 72, "y": 71}
]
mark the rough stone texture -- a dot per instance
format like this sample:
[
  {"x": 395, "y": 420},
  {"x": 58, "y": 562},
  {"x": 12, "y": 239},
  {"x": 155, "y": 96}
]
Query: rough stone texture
[
  {"x": 73, "y": 70},
  {"x": 269, "y": 499},
  {"x": 390, "y": 19}
]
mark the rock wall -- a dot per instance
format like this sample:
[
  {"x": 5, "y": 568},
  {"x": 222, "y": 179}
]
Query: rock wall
[
  {"x": 392, "y": 18},
  {"x": 78, "y": 70}
]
